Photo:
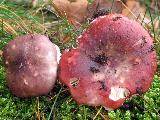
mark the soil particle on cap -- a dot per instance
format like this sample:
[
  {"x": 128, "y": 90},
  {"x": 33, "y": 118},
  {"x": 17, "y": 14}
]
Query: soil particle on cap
[
  {"x": 137, "y": 61},
  {"x": 143, "y": 41},
  {"x": 101, "y": 59},
  {"x": 94, "y": 70},
  {"x": 151, "y": 49},
  {"x": 74, "y": 82},
  {"x": 116, "y": 18},
  {"x": 103, "y": 86},
  {"x": 19, "y": 64},
  {"x": 139, "y": 90},
  {"x": 115, "y": 71}
]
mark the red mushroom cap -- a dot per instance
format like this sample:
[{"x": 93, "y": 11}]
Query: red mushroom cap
[
  {"x": 114, "y": 60},
  {"x": 31, "y": 65}
]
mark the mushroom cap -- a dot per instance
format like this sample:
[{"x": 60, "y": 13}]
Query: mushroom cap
[
  {"x": 31, "y": 65},
  {"x": 114, "y": 60}
]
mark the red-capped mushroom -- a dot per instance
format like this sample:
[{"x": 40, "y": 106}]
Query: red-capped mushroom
[
  {"x": 31, "y": 65},
  {"x": 114, "y": 60}
]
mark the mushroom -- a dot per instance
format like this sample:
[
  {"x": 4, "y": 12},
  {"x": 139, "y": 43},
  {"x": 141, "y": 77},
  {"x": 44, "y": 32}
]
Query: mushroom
[
  {"x": 31, "y": 65},
  {"x": 115, "y": 59}
]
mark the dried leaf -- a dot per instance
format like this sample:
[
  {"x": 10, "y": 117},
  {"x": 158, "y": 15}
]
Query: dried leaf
[
  {"x": 102, "y": 7},
  {"x": 155, "y": 5},
  {"x": 156, "y": 24},
  {"x": 1, "y": 52},
  {"x": 66, "y": 39},
  {"x": 133, "y": 9},
  {"x": 74, "y": 11},
  {"x": 33, "y": 3}
]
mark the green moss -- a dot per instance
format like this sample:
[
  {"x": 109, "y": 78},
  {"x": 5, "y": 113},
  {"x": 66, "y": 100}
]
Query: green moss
[{"x": 142, "y": 107}]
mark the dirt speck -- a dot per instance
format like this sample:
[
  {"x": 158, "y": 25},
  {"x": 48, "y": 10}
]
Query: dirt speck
[
  {"x": 94, "y": 70},
  {"x": 137, "y": 61},
  {"x": 116, "y": 18},
  {"x": 139, "y": 90},
  {"x": 74, "y": 82},
  {"x": 143, "y": 41},
  {"x": 151, "y": 49},
  {"x": 103, "y": 86},
  {"x": 101, "y": 59}
]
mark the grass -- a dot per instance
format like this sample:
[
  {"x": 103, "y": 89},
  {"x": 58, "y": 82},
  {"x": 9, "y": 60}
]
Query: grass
[{"x": 59, "y": 105}]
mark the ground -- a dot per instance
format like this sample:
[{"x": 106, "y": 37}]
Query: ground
[{"x": 59, "y": 105}]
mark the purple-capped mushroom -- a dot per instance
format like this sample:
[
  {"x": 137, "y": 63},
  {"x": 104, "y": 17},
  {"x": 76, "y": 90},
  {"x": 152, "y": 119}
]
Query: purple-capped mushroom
[
  {"x": 114, "y": 60},
  {"x": 31, "y": 65}
]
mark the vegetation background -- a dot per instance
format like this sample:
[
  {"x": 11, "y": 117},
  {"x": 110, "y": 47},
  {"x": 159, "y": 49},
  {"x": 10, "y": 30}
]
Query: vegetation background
[{"x": 19, "y": 17}]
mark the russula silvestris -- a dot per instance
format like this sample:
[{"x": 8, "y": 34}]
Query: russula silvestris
[
  {"x": 115, "y": 59},
  {"x": 31, "y": 65}
]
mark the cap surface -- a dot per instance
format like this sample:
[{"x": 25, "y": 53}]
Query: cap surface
[
  {"x": 114, "y": 60},
  {"x": 31, "y": 65}
]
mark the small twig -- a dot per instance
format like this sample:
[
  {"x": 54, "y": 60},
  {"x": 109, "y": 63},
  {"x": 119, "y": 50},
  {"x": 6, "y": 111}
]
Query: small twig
[
  {"x": 152, "y": 23},
  {"x": 138, "y": 16},
  {"x": 19, "y": 18},
  {"x": 42, "y": 19},
  {"x": 97, "y": 113},
  {"x": 104, "y": 117},
  {"x": 38, "y": 113},
  {"x": 130, "y": 12},
  {"x": 158, "y": 14},
  {"x": 127, "y": 8},
  {"x": 49, "y": 117},
  {"x": 2, "y": 33},
  {"x": 112, "y": 6},
  {"x": 143, "y": 17},
  {"x": 8, "y": 27},
  {"x": 69, "y": 100}
]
